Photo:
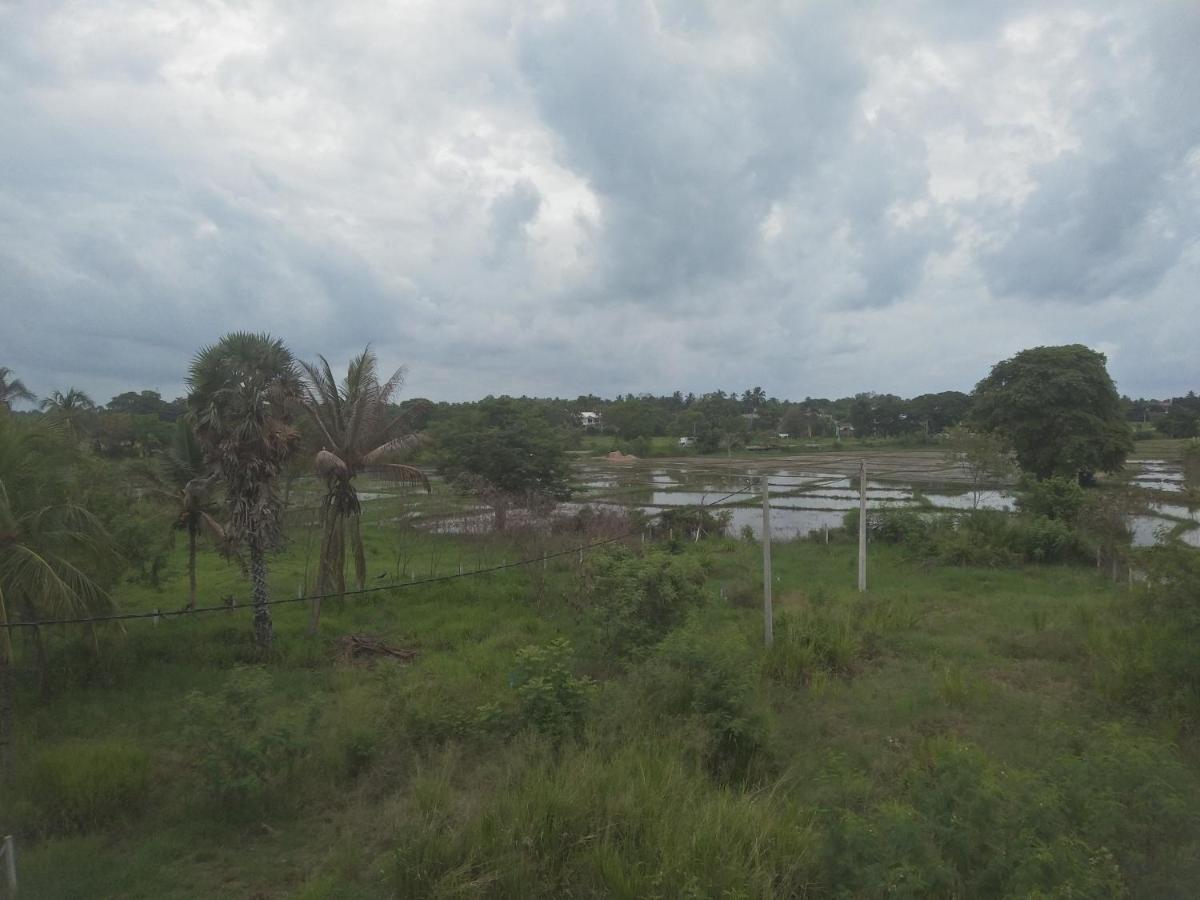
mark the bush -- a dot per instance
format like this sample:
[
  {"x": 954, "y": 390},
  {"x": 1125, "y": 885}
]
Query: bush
[
  {"x": 246, "y": 755},
  {"x": 552, "y": 699},
  {"x": 1054, "y": 498},
  {"x": 684, "y": 520},
  {"x": 82, "y": 785},
  {"x": 636, "y": 600},
  {"x": 708, "y": 673}
]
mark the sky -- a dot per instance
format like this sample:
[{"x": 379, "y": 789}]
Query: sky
[{"x": 558, "y": 198}]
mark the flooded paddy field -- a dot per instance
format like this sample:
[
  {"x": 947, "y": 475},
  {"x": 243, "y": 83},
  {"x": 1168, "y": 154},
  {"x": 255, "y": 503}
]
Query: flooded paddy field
[
  {"x": 807, "y": 495},
  {"x": 814, "y": 493}
]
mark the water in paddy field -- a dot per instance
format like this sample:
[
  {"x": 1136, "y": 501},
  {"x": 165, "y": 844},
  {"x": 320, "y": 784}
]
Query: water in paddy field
[
  {"x": 1158, "y": 475},
  {"x": 808, "y": 502}
]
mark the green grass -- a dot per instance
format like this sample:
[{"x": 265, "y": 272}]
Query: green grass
[{"x": 941, "y": 736}]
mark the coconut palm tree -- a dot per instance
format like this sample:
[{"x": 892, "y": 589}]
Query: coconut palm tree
[
  {"x": 241, "y": 391},
  {"x": 358, "y": 432},
  {"x": 51, "y": 548},
  {"x": 12, "y": 390},
  {"x": 69, "y": 408},
  {"x": 192, "y": 484}
]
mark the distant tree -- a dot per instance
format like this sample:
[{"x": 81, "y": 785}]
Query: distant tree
[
  {"x": 357, "y": 431},
  {"x": 71, "y": 408},
  {"x": 934, "y": 413},
  {"x": 12, "y": 390},
  {"x": 1183, "y": 418},
  {"x": 142, "y": 403},
  {"x": 983, "y": 455},
  {"x": 241, "y": 392},
  {"x": 633, "y": 419},
  {"x": 504, "y": 454},
  {"x": 1059, "y": 410}
]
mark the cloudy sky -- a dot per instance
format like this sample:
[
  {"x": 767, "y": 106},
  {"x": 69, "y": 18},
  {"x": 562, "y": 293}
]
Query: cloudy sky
[{"x": 555, "y": 198}]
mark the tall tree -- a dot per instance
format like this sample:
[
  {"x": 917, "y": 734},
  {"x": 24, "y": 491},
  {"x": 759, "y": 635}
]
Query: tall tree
[
  {"x": 12, "y": 390},
  {"x": 357, "y": 431},
  {"x": 241, "y": 393},
  {"x": 192, "y": 482},
  {"x": 1058, "y": 409}
]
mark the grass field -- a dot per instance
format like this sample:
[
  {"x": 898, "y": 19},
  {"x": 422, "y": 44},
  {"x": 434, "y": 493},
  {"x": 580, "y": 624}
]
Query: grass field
[{"x": 945, "y": 736}]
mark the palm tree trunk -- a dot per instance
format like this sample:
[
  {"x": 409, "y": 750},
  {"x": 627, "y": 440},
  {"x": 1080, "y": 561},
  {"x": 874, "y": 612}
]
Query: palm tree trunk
[
  {"x": 263, "y": 632},
  {"x": 191, "y": 604},
  {"x": 360, "y": 557},
  {"x": 6, "y": 697},
  {"x": 331, "y": 569}
]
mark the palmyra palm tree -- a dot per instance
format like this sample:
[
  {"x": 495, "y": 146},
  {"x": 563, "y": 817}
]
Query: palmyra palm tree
[
  {"x": 50, "y": 548},
  {"x": 241, "y": 391},
  {"x": 192, "y": 483},
  {"x": 12, "y": 390},
  {"x": 358, "y": 433}
]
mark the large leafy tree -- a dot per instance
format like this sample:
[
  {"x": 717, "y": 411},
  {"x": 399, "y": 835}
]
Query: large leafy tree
[
  {"x": 1058, "y": 409},
  {"x": 357, "y": 431},
  {"x": 505, "y": 454},
  {"x": 241, "y": 393},
  {"x": 12, "y": 390},
  {"x": 192, "y": 482},
  {"x": 54, "y": 553}
]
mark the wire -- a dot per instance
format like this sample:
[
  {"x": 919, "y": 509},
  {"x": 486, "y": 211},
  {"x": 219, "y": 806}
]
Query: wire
[{"x": 158, "y": 614}]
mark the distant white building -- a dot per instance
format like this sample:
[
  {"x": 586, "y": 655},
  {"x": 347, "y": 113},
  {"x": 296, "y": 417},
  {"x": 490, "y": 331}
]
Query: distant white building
[{"x": 589, "y": 419}]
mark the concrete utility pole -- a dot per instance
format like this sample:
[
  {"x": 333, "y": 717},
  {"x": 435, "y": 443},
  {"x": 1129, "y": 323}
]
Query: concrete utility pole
[
  {"x": 768, "y": 606},
  {"x": 862, "y": 526}
]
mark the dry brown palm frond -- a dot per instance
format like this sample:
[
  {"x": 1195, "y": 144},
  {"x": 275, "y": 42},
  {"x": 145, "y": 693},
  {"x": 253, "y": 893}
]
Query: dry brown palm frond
[
  {"x": 395, "y": 445},
  {"x": 330, "y": 466}
]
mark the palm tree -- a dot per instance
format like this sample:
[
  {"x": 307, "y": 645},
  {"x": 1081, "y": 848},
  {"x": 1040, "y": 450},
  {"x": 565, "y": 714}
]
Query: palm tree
[
  {"x": 51, "y": 548},
  {"x": 358, "y": 432},
  {"x": 70, "y": 407},
  {"x": 12, "y": 390},
  {"x": 240, "y": 393},
  {"x": 192, "y": 485}
]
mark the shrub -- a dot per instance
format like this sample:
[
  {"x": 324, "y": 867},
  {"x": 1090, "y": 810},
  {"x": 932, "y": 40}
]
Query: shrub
[
  {"x": 708, "y": 673},
  {"x": 552, "y": 699},
  {"x": 635, "y": 600},
  {"x": 684, "y": 520},
  {"x": 82, "y": 785},
  {"x": 244, "y": 754},
  {"x": 1055, "y": 498}
]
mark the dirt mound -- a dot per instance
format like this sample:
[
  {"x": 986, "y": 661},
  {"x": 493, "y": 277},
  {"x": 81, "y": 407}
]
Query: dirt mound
[{"x": 618, "y": 457}]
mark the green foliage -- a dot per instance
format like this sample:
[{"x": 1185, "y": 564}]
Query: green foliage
[
  {"x": 1054, "y": 498},
  {"x": 708, "y": 673},
  {"x": 626, "y": 821},
  {"x": 87, "y": 785},
  {"x": 684, "y": 520},
  {"x": 969, "y": 827},
  {"x": 987, "y": 538},
  {"x": 1147, "y": 657},
  {"x": 552, "y": 699},
  {"x": 506, "y": 445},
  {"x": 1058, "y": 408},
  {"x": 246, "y": 749},
  {"x": 635, "y": 600}
]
